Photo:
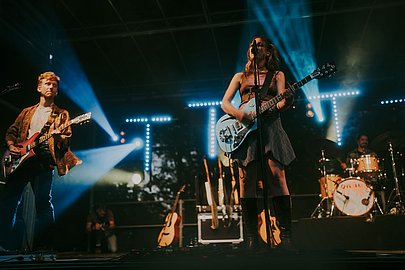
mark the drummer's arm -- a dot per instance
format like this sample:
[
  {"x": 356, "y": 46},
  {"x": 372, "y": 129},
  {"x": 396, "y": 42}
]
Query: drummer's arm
[{"x": 342, "y": 164}]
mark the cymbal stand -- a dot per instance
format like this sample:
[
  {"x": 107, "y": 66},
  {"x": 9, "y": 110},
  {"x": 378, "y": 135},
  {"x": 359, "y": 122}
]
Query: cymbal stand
[
  {"x": 320, "y": 210},
  {"x": 399, "y": 207},
  {"x": 351, "y": 169}
]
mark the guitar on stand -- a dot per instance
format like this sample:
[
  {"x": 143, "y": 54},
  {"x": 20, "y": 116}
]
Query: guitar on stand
[
  {"x": 275, "y": 230},
  {"x": 211, "y": 198},
  {"x": 170, "y": 231}
]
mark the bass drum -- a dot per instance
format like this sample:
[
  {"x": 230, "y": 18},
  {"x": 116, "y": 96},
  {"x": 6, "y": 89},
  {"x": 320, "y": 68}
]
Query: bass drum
[{"x": 353, "y": 197}]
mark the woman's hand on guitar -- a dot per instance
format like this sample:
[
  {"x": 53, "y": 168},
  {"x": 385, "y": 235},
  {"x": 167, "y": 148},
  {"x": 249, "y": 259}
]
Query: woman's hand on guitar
[{"x": 244, "y": 117}]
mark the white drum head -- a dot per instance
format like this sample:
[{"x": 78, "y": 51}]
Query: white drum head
[{"x": 353, "y": 197}]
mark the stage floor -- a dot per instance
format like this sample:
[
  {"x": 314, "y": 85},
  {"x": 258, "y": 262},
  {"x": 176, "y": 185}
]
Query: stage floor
[
  {"x": 329, "y": 243},
  {"x": 211, "y": 257}
]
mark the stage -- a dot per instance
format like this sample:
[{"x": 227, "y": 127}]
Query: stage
[
  {"x": 327, "y": 243},
  {"x": 212, "y": 257}
]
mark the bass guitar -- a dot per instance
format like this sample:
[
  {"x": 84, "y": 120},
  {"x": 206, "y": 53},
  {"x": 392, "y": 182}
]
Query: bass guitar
[
  {"x": 12, "y": 163},
  {"x": 170, "y": 231},
  {"x": 231, "y": 133}
]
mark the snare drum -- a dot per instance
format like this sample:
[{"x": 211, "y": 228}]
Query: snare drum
[
  {"x": 353, "y": 197},
  {"x": 328, "y": 184},
  {"x": 367, "y": 166}
]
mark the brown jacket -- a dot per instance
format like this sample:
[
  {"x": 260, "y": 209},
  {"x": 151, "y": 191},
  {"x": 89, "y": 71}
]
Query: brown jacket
[{"x": 59, "y": 146}]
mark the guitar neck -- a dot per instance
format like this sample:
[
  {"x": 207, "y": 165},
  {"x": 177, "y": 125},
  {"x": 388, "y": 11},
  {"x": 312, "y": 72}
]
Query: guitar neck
[
  {"x": 289, "y": 91},
  {"x": 175, "y": 202},
  {"x": 47, "y": 136}
]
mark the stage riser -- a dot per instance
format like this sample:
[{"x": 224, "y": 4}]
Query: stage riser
[{"x": 347, "y": 233}]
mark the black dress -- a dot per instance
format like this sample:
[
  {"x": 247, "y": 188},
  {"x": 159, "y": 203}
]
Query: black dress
[{"x": 277, "y": 145}]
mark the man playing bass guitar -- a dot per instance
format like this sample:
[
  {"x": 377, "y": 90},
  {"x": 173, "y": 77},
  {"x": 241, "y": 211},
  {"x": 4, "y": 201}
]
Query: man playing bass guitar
[{"x": 42, "y": 118}]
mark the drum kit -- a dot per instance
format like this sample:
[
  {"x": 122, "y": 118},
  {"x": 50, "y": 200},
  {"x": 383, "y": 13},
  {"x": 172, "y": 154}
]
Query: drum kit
[{"x": 358, "y": 189}]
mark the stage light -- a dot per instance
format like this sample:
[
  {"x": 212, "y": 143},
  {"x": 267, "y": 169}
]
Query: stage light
[
  {"x": 392, "y": 101},
  {"x": 296, "y": 44},
  {"x": 204, "y": 104},
  {"x": 78, "y": 87},
  {"x": 138, "y": 142},
  {"x": 114, "y": 138},
  {"x": 136, "y": 179},
  {"x": 147, "y": 121},
  {"x": 96, "y": 163},
  {"x": 212, "y": 142},
  {"x": 147, "y": 149}
]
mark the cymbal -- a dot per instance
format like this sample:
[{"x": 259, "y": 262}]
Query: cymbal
[
  {"x": 395, "y": 137},
  {"x": 330, "y": 148}
]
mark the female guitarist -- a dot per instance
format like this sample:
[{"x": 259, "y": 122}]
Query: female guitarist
[
  {"x": 170, "y": 231},
  {"x": 262, "y": 67}
]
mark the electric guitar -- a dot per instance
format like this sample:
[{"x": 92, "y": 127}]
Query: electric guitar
[
  {"x": 12, "y": 163},
  {"x": 210, "y": 194},
  {"x": 170, "y": 230},
  {"x": 275, "y": 238},
  {"x": 231, "y": 133}
]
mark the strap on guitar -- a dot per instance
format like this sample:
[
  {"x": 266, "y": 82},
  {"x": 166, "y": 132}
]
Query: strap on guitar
[
  {"x": 51, "y": 120},
  {"x": 266, "y": 84}
]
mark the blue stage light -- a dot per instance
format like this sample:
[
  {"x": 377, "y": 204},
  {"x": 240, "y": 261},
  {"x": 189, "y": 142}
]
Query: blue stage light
[
  {"x": 96, "y": 163},
  {"x": 296, "y": 43}
]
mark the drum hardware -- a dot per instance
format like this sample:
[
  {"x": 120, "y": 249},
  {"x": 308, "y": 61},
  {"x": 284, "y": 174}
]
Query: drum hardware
[
  {"x": 395, "y": 193},
  {"x": 377, "y": 207},
  {"x": 320, "y": 210},
  {"x": 351, "y": 170}
]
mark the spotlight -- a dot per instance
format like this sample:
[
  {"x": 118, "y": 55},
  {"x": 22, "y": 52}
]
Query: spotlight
[
  {"x": 138, "y": 143},
  {"x": 310, "y": 112},
  {"x": 136, "y": 178},
  {"x": 114, "y": 138}
]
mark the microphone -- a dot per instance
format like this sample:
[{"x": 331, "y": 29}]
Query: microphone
[
  {"x": 254, "y": 47},
  {"x": 366, "y": 201},
  {"x": 344, "y": 195},
  {"x": 10, "y": 88}
]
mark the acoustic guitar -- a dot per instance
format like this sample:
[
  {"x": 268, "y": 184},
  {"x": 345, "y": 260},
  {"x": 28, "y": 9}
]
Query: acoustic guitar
[
  {"x": 275, "y": 230},
  {"x": 170, "y": 231}
]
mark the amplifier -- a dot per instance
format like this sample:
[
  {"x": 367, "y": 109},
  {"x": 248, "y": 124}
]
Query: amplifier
[{"x": 230, "y": 229}]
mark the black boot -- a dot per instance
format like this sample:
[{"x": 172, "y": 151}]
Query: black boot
[
  {"x": 282, "y": 209},
  {"x": 250, "y": 220}
]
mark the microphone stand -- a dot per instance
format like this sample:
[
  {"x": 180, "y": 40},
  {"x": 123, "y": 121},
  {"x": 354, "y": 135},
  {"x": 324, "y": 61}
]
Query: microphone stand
[{"x": 260, "y": 147}]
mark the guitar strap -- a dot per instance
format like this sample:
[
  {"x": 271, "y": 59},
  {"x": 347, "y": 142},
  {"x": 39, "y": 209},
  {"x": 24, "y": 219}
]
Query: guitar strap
[
  {"x": 54, "y": 114},
  {"x": 266, "y": 84}
]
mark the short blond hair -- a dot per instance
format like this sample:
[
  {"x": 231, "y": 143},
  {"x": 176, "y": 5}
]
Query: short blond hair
[{"x": 49, "y": 75}]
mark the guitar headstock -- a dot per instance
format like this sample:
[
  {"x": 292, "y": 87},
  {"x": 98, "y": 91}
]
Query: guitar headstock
[
  {"x": 181, "y": 189},
  {"x": 83, "y": 118},
  {"x": 327, "y": 70}
]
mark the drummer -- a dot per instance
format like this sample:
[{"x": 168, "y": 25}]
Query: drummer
[
  {"x": 351, "y": 164},
  {"x": 361, "y": 149}
]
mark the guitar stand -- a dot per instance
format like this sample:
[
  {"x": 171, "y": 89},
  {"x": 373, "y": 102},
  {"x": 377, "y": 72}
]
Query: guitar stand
[
  {"x": 322, "y": 212},
  {"x": 399, "y": 206}
]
